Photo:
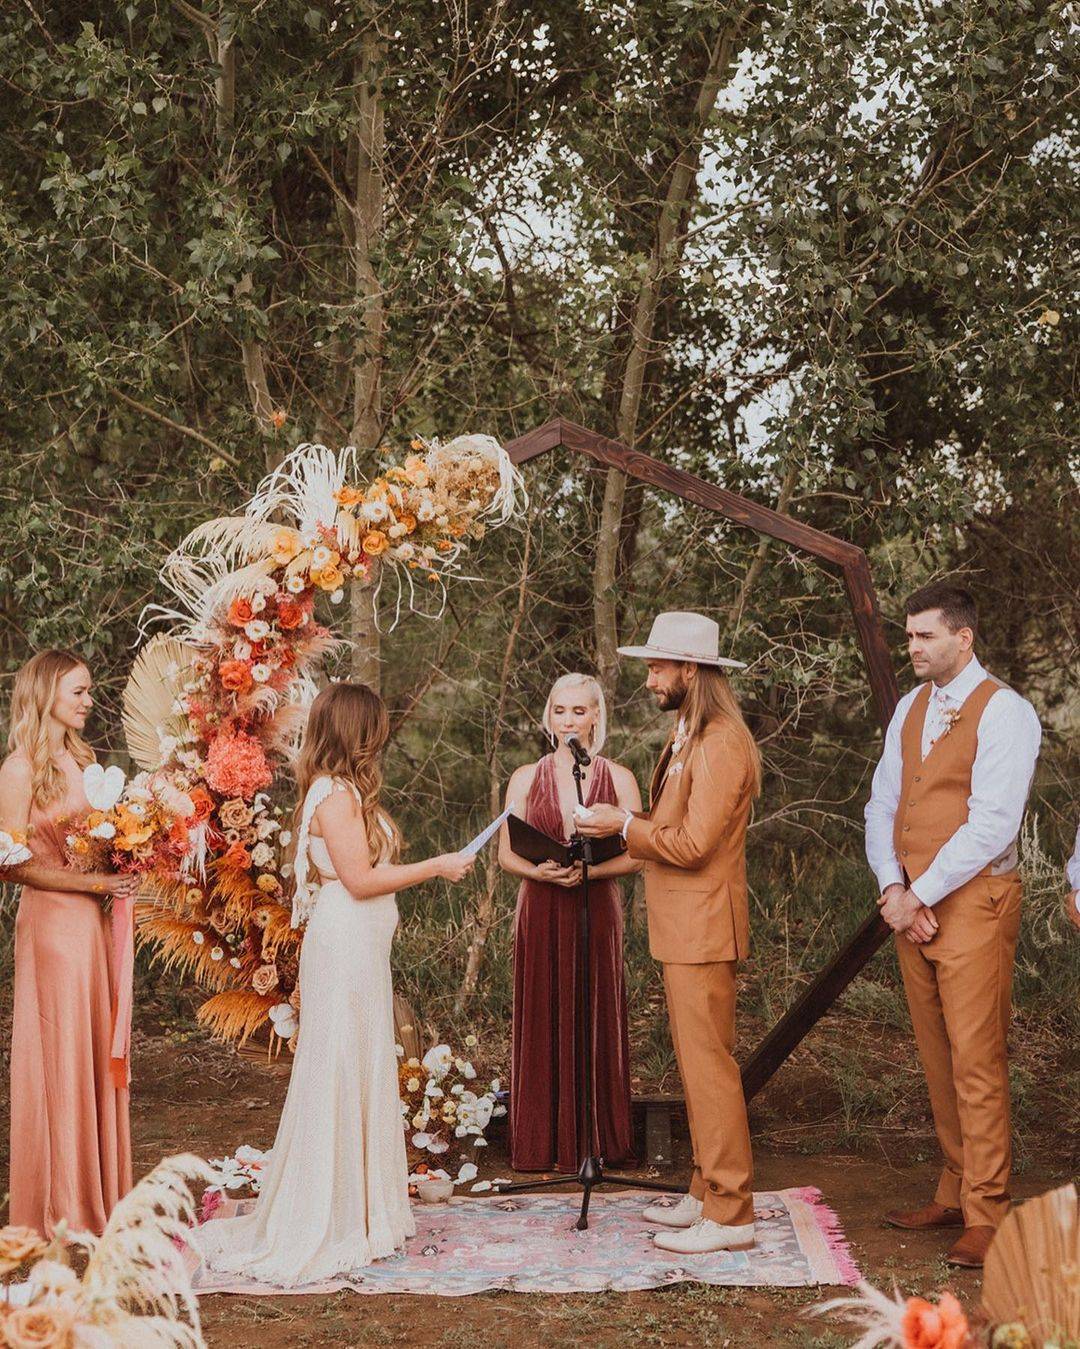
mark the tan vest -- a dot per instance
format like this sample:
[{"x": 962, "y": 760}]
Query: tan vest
[{"x": 934, "y": 791}]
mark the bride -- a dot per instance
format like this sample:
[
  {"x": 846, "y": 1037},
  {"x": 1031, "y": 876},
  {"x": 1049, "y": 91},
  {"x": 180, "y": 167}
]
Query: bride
[{"x": 335, "y": 1193}]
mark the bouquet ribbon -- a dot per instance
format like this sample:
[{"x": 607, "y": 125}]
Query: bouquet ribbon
[{"x": 123, "y": 942}]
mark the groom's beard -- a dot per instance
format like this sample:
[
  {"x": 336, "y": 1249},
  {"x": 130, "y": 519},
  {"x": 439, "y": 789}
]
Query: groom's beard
[{"x": 671, "y": 702}]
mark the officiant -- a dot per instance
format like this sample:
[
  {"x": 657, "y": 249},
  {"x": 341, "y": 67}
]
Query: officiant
[{"x": 545, "y": 1112}]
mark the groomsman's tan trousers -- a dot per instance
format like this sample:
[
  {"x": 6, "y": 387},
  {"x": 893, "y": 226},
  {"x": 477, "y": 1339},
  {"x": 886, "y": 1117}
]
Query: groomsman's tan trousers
[
  {"x": 701, "y": 1007},
  {"x": 959, "y": 990}
]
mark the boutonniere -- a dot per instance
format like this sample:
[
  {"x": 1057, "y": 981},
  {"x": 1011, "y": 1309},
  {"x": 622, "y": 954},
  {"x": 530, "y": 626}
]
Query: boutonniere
[
  {"x": 950, "y": 716},
  {"x": 680, "y": 738}
]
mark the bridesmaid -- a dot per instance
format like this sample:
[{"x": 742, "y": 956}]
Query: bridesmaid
[
  {"x": 544, "y": 1106},
  {"x": 70, "y": 1148}
]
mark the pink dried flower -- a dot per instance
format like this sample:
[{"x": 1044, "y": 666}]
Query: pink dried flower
[{"x": 236, "y": 765}]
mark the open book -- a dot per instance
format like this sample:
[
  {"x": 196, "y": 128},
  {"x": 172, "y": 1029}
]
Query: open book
[{"x": 536, "y": 846}]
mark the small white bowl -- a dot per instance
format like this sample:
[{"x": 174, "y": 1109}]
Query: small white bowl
[{"x": 435, "y": 1190}]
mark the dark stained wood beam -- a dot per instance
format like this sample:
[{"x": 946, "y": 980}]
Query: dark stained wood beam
[{"x": 830, "y": 982}]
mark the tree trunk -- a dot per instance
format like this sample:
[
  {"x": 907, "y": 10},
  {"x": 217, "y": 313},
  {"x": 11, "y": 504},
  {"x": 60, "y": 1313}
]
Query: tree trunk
[
  {"x": 664, "y": 258},
  {"x": 368, "y": 351},
  {"x": 485, "y": 909}
]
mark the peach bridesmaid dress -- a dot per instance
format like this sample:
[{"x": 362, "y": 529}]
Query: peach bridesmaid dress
[{"x": 70, "y": 1140}]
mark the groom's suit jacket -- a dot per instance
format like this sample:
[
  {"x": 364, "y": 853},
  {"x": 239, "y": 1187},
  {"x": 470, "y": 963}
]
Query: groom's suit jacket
[{"x": 693, "y": 842}]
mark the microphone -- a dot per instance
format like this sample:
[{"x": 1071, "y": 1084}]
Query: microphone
[{"x": 578, "y": 750}]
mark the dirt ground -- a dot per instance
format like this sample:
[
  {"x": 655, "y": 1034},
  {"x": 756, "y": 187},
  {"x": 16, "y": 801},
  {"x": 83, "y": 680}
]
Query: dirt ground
[{"x": 197, "y": 1097}]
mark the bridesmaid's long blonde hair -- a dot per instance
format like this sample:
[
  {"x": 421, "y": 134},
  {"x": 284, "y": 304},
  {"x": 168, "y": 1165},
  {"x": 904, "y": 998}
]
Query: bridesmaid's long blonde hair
[
  {"x": 347, "y": 729},
  {"x": 32, "y": 701}
]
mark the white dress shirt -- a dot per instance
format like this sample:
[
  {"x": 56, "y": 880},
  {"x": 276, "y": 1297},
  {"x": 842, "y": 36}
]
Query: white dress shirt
[
  {"x": 1008, "y": 744},
  {"x": 1072, "y": 870}
]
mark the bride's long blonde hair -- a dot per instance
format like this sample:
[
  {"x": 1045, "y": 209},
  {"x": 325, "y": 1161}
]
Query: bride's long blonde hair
[
  {"x": 32, "y": 700},
  {"x": 347, "y": 729}
]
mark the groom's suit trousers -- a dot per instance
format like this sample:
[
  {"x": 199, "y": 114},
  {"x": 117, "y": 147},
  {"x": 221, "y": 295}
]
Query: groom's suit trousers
[{"x": 701, "y": 1007}]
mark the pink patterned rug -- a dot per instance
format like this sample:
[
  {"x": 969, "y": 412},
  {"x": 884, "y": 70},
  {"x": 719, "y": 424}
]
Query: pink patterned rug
[{"x": 528, "y": 1244}]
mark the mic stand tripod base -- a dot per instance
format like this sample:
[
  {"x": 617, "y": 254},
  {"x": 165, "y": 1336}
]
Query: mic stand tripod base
[{"x": 590, "y": 1175}]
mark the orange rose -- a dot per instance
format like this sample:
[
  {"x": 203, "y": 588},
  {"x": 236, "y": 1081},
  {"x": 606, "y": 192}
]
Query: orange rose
[
  {"x": 45, "y": 1326},
  {"x": 290, "y": 615},
  {"x": 264, "y": 980},
  {"x": 286, "y": 546},
  {"x": 240, "y": 612},
  {"x": 348, "y": 496},
  {"x": 235, "y": 675},
  {"x": 237, "y": 857},
  {"x": 235, "y": 814},
  {"x": 269, "y": 885},
  {"x": 333, "y": 578},
  {"x": 409, "y": 521},
  {"x": 203, "y": 803},
  {"x": 375, "y": 543},
  {"x": 928, "y": 1327}
]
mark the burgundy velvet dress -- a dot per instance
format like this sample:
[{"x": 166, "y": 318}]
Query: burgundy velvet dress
[{"x": 544, "y": 1107}]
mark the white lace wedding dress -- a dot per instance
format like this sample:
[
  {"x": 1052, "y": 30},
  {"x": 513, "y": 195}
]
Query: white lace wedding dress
[{"x": 334, "y": 1195}]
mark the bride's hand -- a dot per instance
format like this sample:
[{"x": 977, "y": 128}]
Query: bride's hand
[{"x": 452, "y": 866}]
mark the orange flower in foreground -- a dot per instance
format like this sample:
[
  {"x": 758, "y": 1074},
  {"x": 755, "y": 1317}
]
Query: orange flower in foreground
[
  {"x": 235, "y": 675},
  {"x": 240, "y": 612},
  {"x": 43, "y": 1326},
  {"x": 375, "y": 543},
  {"x": 349, "y": 496},
  {"x": 928, "y": 1327}
]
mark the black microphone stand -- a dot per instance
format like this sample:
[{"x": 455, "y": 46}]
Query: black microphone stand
[{"x": 590, "y": 1172}]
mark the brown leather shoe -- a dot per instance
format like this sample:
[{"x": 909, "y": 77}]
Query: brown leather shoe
[
  {"x": 970, "y": 1251},
  {"x": 932, "y": 1215}
]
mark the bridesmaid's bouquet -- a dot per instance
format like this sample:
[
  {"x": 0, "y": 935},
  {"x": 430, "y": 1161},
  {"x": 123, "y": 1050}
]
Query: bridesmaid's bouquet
[{"x": 142, "y": 826}]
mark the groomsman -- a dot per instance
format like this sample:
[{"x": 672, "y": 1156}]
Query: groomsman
[
  {"x": 1072, "y": 881},
  {"x": 941, "y": 829}
]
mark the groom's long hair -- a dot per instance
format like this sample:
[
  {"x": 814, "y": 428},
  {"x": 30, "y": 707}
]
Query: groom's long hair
[
  {"x": 710, "y": 697},
  {"x": 347, "y": 728}
]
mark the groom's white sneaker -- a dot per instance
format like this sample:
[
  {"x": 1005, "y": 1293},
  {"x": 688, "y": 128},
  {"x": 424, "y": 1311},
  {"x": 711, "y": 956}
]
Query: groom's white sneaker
[
  {"x": 683, "y": 1214},
  {"x": 705, "y": 1236}
]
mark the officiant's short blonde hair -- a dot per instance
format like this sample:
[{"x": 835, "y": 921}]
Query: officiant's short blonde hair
[{"x": 595, "y": 692}]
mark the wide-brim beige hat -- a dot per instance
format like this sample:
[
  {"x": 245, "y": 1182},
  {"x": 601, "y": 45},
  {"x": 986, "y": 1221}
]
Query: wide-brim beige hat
[{"x": 678, "y": 636}]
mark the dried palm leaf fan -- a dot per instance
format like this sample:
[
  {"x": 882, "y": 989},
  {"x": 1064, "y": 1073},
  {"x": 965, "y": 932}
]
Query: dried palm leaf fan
[
  {"x": 1032, "y": 1272},
  {"x": 150, "y": 695}
]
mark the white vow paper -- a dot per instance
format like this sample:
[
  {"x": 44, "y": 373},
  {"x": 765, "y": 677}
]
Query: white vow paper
[{"x": 471, "y": 849}]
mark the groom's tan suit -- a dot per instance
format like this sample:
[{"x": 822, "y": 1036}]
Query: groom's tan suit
[{"x": 693, "y": 843}]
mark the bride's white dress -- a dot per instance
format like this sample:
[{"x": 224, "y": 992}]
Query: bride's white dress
[{"x": 334, "y": 1194}]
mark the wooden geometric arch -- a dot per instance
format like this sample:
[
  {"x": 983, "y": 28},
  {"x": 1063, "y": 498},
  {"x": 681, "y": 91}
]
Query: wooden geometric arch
[{"x": 831, "y": 981}]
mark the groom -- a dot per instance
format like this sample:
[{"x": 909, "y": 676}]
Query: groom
[{"x": 692, "y": 840}]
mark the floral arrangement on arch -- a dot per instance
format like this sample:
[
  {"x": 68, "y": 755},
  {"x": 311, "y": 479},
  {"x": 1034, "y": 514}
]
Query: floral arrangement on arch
[{"x": 214, "y": 709}]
